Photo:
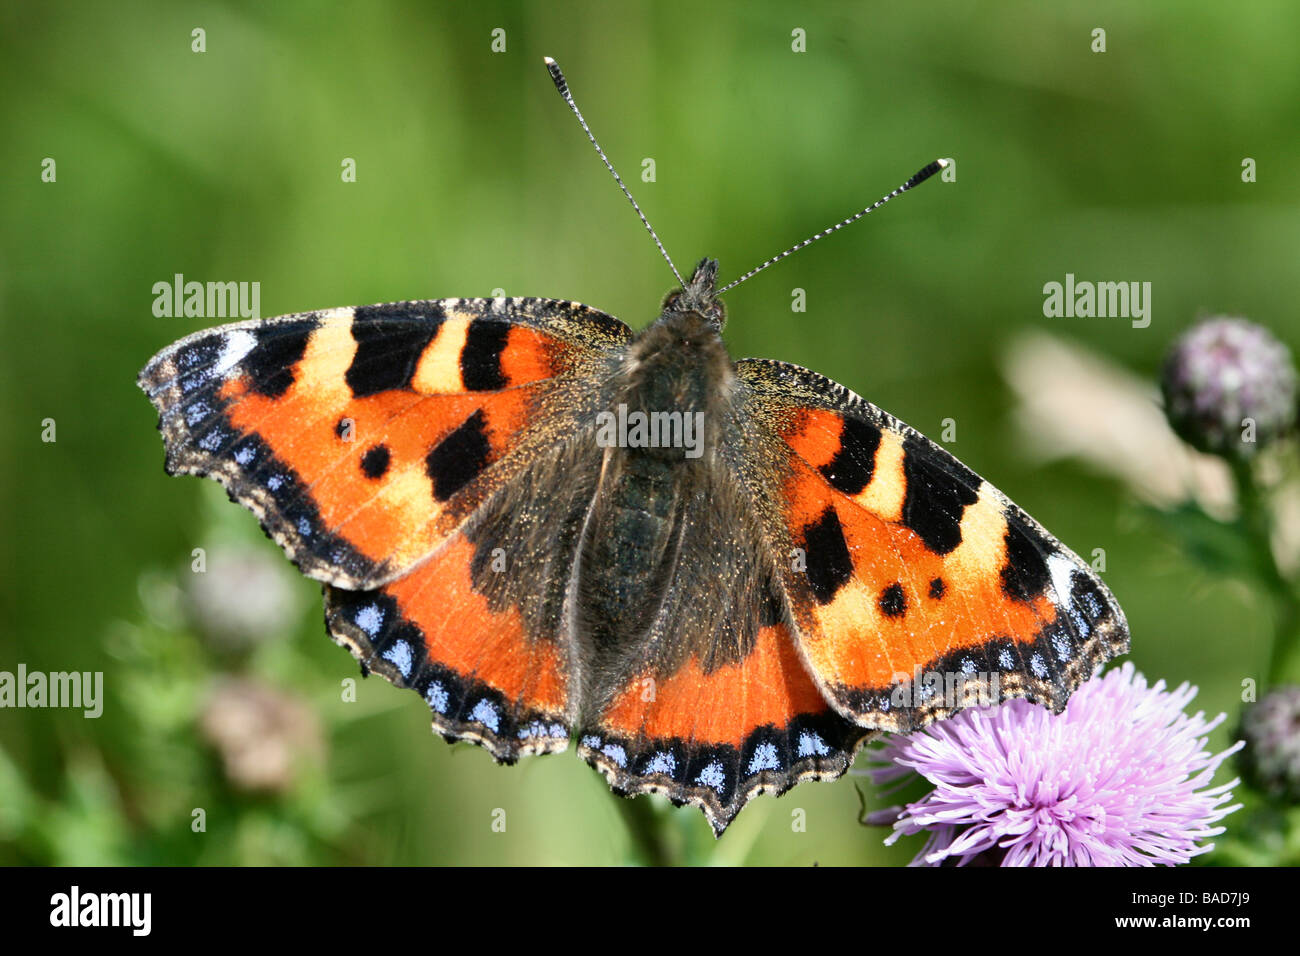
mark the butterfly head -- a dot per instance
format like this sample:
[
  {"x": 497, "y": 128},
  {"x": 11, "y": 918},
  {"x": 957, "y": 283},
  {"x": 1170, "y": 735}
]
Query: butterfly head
[{"x": 698, "y": 295}]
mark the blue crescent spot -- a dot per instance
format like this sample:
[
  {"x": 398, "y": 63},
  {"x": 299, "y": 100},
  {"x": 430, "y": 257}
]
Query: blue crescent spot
[
  {"x": 662, "y": 762},
  {"x": 485, "y": 712},
  {"x": 539, "y": 729},
  {"x": 370, "y": 619},
  {"x": 810, "y": 744},
  {"x": 400, "y": 654},
  {"x": 1081, "y": 625},
  {"x": 196, "y": 412},
  {"x": 615, "y": 753},
  {"x": 436, "y": 695},
  {"x": 1092, "y": 605},
  {"x": 765, "y": 758},
  {"x": 712, "y": 776},
  {"x": 1038, "y": 666}
]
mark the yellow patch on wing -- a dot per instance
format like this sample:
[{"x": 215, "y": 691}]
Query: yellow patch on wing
[
  {"x": 887, "y": 489},
  {"x": 851, "y": 631},
  {"x": 321, "y": 374},
  {"x": 398, "y": 516},
  {"x": 982, "y": 551},
  {"x": 438, "y": 372}
]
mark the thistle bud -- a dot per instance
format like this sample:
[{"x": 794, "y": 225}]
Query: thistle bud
[
  {"x": 1229, "y": 387},
  {"x": 1271, "y": 729}
]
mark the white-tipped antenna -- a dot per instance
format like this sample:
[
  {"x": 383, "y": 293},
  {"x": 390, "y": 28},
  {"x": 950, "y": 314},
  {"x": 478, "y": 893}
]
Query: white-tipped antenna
[
  {"x": 920, "y": 177},
  {"x": 562, "y": 85}
]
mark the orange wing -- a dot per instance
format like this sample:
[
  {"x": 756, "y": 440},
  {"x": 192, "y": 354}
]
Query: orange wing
[
  {"x": 715, "y": 736},
  {"x": 916, "y": 587},
  {"x": 362, "y": 438}
]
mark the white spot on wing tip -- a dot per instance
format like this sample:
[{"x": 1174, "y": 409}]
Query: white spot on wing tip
[
  {"x": 1062, "y": 571},
  {"x": 237, "y": 345}
]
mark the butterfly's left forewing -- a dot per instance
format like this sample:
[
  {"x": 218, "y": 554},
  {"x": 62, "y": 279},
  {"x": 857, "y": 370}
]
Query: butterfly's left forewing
[
  {"x": 916, "y": 587},
  {"x": 363, "y": 437}
]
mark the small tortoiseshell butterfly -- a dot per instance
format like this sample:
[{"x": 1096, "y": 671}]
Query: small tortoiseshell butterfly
[{"x": 720, "y": 576}]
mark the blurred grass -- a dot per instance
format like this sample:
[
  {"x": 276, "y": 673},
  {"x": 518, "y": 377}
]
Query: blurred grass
[{"x": 471, "y": 176}]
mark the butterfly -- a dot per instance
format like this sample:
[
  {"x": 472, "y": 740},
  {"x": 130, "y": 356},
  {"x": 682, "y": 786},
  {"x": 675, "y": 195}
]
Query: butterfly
[{"x": 720, "y": 577}]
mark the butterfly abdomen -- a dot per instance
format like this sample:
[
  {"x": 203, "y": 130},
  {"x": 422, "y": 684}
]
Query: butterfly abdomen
[
  {"x": 662, "y": 414},
  {"x": 631, "y": 544}
]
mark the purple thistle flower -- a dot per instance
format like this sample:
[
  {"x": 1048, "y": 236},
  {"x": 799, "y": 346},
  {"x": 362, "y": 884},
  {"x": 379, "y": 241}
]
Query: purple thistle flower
[{"x": 1119, "y": 778}]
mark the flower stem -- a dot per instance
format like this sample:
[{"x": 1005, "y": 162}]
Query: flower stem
[
  {"x": 1284, "y": 662},
  {"x": 645, "y": 827}
]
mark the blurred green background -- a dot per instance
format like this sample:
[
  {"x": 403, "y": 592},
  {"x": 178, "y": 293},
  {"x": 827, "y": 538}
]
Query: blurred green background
[{"x": 472, "y": 176}]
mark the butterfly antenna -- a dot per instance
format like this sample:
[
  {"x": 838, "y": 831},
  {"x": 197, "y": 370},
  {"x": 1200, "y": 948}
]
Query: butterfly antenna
[
  {"x": 562, "y": 85},
  {"x": 920, "y": 177}
]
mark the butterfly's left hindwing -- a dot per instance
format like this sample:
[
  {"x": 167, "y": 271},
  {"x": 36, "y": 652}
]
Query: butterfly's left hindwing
[
  {"x": 481, "y": 630},
  {"x": 916, "y": 587},
  {"x": 419, "y": 459}
]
